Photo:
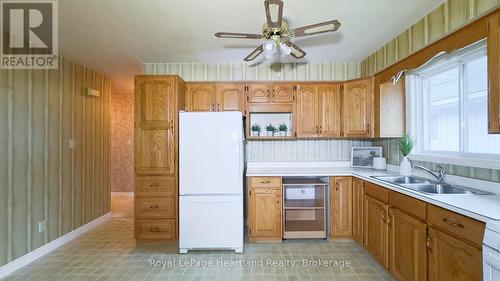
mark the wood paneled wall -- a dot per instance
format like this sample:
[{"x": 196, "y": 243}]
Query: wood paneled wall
[
  {"x": 446, "y": 18},
  {"x": 41, "y": 177}
]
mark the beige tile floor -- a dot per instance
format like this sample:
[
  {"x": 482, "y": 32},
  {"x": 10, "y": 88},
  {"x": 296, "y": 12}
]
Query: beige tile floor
[{"x": 109, "y": 252}]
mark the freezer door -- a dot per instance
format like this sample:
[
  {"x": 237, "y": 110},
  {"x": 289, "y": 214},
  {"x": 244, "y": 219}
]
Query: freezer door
[
  {"x": 211, "y": 222},
  {"x": 211, "y": 153}
]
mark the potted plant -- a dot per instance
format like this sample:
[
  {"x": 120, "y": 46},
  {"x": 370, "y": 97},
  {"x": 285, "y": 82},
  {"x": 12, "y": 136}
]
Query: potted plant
[
  {"x": 283, "y": 129},
  {"x": 406, "y": 144},
  {"x": 256, "y": 130},
  {"x": 270, "y": 130}
]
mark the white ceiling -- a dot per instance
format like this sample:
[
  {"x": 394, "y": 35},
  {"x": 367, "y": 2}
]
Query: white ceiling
[{"x": 117, "y": 36}]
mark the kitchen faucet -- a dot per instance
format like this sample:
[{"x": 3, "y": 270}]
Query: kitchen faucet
[{"x": 439, "y": 175}]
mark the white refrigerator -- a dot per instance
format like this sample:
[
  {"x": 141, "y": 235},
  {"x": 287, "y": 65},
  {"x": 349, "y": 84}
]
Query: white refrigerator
[{"x": 211, "y": 181}]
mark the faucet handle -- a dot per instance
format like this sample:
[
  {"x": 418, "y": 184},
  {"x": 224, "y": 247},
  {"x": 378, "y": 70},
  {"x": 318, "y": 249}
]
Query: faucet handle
[{"x": 441, "y": 171}]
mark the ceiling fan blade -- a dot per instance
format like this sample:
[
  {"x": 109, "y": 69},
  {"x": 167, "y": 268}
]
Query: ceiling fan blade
[
  {"x": 327, "y": 26},
  {"x": 255, "y": 53},
  {"x": 238, "y": 35},
  {"x": 274, "y": 13},
  {"x": 297, "y": 52}
]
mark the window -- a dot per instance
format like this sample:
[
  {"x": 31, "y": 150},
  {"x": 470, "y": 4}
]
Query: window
[{"x": 448, "y": 101}]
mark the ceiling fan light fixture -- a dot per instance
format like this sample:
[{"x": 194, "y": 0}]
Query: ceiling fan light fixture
[
  {"x": 270, "y": 46},
  {"x": 285, "y": 50}
]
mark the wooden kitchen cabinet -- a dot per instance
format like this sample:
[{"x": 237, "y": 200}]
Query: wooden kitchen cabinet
[
  {"x": 271, "y": 93},
  {"x": 376, "y": 229},
  {"x": 494, "y": 73},
  {"x": 158, "y": 98},
  {"x": 357, "y": 107},
  {"x": 329, "y": 109},
  {"x": 451, "y": 258},
  {"x": 357, "y": 210},
  {"x": 265, "y": 209},
  {"x": 307, "y": 110},
  {"x": 318, "y": 110},
  {"x": 407, "y": 247},
  {"x": 200, "y": 97},
  {"x": 341, "y": 207},
  {"x": 229, "y": 97}
]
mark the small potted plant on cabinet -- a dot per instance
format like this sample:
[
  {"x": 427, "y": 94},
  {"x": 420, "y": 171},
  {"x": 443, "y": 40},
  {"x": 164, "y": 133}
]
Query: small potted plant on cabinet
[
  {"x": 256, "y": 130},
  {"x": 283, "y": 130},
  {"x": 270, "y": 129}
]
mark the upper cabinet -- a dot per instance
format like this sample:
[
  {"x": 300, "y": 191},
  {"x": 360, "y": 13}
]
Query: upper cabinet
[
  {"x": 229, "y": 97},
  {"x": 318, "y": 110},
  {"x": 215, "y": 97},
  {"x": 357, "y": 107},
  {"x": 200, "y": 97},
  {"x": 271, "y": 93},
  {"x": 391, "y": 110},
  {"x": 494, "y": 73}
]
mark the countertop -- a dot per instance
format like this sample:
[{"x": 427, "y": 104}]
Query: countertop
[{"x": 480, "y": 207}]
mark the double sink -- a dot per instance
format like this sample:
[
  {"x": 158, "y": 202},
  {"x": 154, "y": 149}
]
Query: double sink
[{"x": 429, "y": 187}]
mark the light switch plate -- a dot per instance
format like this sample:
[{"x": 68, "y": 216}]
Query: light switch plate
[{"x": 41, "y": 226}]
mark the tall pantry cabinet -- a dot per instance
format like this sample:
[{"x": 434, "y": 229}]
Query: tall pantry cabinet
[{"x": 158, "y": 99}]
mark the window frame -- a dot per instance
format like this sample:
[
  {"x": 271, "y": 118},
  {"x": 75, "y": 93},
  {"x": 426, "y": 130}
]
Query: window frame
[{"x": 415, "y": 87}]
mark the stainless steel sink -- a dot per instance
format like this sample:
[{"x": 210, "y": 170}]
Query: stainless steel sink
[
  {"x": 430, "y": 187},
  {"x": 402, "y": 179}
]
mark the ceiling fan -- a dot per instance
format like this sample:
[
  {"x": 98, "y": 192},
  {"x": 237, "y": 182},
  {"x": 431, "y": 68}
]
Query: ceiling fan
[{"x": 278, "y": 34}]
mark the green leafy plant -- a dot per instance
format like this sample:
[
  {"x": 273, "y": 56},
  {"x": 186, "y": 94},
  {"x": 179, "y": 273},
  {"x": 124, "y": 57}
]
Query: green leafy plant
[
  {"x": 406, "y": 144},
  {"x": 256, "y": 128},
  {"x": 270, "y": 128},
  {"x": 283, "y": 127}
]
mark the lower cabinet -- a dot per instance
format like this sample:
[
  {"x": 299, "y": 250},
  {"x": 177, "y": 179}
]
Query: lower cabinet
[
  {"x": 357, "y": 210},
  {"x": 341, "y": 207},
  {"x": 407, "y": 247},
  {"x": 451, "y": 258},
  {"x": 376, "y": 229},
  {"x": 265, "y": 213}
]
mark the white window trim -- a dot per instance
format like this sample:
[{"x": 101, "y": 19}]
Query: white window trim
[{"x": 413, "y": 108}]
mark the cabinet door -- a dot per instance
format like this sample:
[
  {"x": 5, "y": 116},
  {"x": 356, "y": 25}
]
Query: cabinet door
[
  {"x": 357, "y": 210},
  {"x": 453, "y": 259},
  {"x": 357, "y": 107},
  {"x": 155, "y": 151},
  {"x": 329, "y": 110},
  {"x": 307, "y": 116},
  {"x": 283, "y": 93},
  {"x": 229, "y": 97},
  {"x": 341, "y": 210},
  {"x": 200, "y": 97},
  {"x": 155, "y": 100},
  {"x": 376, "y": 230},
  {"x": 259, "y": 93},
  {"x": 265, "y": 212},
  {"x": 494, "y": 73},
  {"x": 407, "y": 247}
]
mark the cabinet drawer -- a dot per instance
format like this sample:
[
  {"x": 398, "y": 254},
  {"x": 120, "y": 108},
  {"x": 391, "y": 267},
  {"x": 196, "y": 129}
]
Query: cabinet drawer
[
  {"x": 265, "y": 182},
  {"x": 155, "y": 187},
  {"x": 155, "y": 207},
  {"x": 377, "y": 192},
  {"x": 156, "y": 229},
  {"x": 463, "y": 227},
  {"x": 409, "y": 205}
]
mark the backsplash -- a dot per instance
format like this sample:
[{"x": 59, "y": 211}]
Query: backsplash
[
  {"x": 391, "y": 152},
  {"x": 302, "y": 150}
]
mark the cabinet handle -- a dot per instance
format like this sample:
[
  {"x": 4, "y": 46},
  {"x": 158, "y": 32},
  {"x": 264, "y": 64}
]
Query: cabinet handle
[
  {"x": 154, "y": 207},
  {"x": 155, "y": 229},
  {"x": 153, "y": 185},
  {"x": 266, "y": 182},
  {"x": 337, "y": 186},
  {"x": 268, "y": 94},
  {"x": 368, "y": 128},
  {"x": 429, "y": 241},
  {"x": 452, "y": 223},
  {"x": 320, "y": 129},
  {"x": 218, "y": 107},
  {"x": 389, "y": 220}
]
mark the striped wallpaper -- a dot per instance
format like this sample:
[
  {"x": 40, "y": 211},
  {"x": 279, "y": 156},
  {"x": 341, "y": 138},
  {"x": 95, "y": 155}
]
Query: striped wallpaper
[{"x": 446, "y": 18}]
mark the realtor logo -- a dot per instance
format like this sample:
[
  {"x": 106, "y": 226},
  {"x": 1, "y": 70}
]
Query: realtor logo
[{"x": 29, "y": 35}]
